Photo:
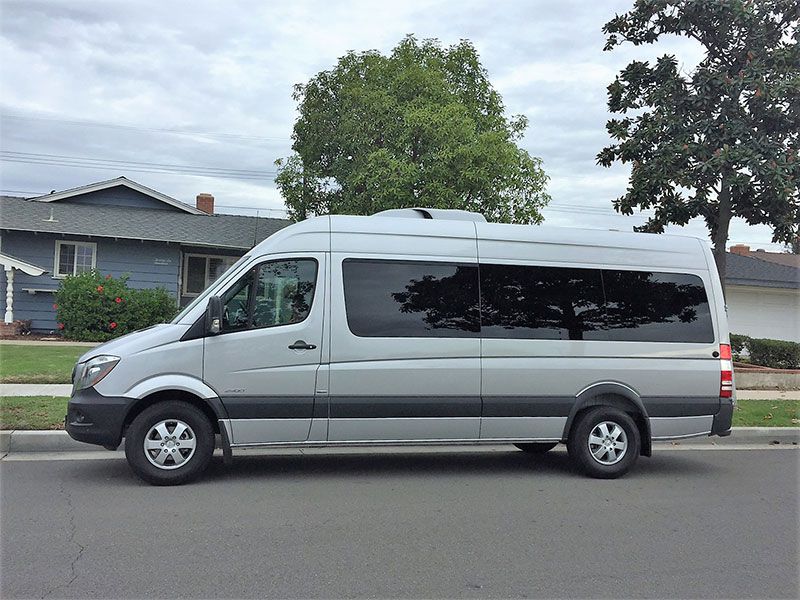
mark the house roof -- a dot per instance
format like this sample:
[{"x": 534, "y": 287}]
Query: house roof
[
  {"x": 116, "y": 182},
  {"x": 747, "y": 270},
  {"x": 217, "y": 231},
  {"x": 7, "y": 260},
  {"x": 781, "y": 258}
]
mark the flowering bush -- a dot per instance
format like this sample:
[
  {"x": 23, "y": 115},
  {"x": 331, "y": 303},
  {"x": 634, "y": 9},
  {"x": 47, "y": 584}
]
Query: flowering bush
[{"x": 93, "y": 307}]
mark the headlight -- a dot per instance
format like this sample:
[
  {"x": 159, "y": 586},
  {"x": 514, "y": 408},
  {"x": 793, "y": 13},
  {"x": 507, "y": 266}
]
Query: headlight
[{"x": 92, "y": 371}]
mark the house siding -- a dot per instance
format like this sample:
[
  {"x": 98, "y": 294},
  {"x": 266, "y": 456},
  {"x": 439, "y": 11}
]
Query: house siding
[
  {"x": 149, "y": 265},
  {"x": 118, "y": 196}
]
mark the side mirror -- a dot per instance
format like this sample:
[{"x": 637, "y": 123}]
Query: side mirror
[{"x": 213, "y": 317}]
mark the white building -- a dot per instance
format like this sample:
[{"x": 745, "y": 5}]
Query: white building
[{"x": 762, "y": 290}]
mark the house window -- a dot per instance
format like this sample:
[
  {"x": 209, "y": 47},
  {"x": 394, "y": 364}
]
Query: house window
[
  {"x": 201, "y": 270},
  {"x": 74, "y": 258}
]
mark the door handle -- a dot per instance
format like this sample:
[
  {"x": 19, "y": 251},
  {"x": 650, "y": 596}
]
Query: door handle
[{"x": 301, "y": 345}]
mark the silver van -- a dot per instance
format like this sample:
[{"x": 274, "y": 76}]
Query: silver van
[{"x": 423, "y": 326}]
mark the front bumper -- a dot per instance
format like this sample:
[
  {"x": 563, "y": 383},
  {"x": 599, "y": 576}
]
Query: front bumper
[
  {"x": 96, "y": 419},
  {"x": 723, "y": 420}
]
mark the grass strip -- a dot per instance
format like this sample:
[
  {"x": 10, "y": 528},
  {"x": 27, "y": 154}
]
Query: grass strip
[
  {"x": 22, "y": 363},
  {"x": 32, "y": 412},
  {"x": 767, "y": 413}
]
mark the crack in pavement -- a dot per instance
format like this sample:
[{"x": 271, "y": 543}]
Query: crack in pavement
[{"x": 70, "y": 539}]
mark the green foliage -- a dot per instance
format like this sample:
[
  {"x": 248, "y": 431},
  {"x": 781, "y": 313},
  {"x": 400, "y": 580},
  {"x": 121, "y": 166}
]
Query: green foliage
[
  {"x": 738, "y": 344},
  {"x": 721, "y": 141},
  {"x": 420, "y": 127},
  {"x": 91, "y": 307},
  {"x": 776, "y": 354}
]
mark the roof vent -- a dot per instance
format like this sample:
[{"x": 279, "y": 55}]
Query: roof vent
[{"x": 438, "y": 214}]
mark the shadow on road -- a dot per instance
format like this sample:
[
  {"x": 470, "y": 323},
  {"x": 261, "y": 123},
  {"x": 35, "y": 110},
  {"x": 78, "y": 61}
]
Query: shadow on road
[{"x": 412, "y": 464}]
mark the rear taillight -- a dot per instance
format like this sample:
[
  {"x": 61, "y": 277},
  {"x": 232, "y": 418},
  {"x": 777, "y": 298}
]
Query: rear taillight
[{"x": 725, "y": 371}]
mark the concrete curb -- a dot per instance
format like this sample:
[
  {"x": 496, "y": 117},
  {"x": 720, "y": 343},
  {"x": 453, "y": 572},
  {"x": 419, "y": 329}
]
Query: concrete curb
[{"x": 59, "y": 441}]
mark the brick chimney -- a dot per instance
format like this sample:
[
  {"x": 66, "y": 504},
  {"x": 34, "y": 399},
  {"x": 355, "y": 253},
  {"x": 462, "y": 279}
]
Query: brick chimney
[
  {"x": 205, "y": 202},
  {"x": 742, "y": 249}
]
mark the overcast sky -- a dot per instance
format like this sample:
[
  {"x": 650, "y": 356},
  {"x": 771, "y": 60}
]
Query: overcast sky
[{"x": 207, "y": 86}]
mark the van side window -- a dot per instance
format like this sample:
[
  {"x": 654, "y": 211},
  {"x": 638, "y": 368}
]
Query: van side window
[
  {"x": 274, "y": 293},
  {"x": 236, "y": 302},
  {"x": 411, "y": 299},
  {"x": 643, "y": 306},
  {"x": 532, "y": 302},
  {"x": 541, "y": 302}
]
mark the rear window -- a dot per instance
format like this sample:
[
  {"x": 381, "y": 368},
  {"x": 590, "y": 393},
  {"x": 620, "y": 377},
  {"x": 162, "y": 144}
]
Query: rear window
[
  {"x": 646, "y": 306},
  {"x": 410, "y": 298}
]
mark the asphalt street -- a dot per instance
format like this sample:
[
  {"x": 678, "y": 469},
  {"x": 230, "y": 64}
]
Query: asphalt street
[{"x": 418, "y": 523}]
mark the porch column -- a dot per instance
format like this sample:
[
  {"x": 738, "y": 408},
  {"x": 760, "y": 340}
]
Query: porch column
[{"x": 9, "y": 295}]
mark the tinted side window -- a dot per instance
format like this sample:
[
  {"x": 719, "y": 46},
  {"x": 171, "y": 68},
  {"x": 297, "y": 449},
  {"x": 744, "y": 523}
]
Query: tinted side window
[
  {"x": 411, "y": 299},
  {"x": 656, "y": 307},
  {"x": 541, "y": 302}
]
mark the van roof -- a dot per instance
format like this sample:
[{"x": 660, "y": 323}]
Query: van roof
[{"x": 311, "y": 234}]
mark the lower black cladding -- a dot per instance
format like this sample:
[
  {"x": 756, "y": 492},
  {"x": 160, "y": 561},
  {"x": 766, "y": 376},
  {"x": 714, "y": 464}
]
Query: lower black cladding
[
  {"x": 387, "y": 407},
  {"x": 723, "y": 420}
]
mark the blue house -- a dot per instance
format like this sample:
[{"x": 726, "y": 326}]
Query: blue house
[{"x": 117, "y": 227}]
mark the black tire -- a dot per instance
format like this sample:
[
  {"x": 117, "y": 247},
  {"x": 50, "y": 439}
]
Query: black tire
[
  {"x": 537, "y": 447},
  {"x": 578, "y": 443},
  {"x": 169, "y": 414}
]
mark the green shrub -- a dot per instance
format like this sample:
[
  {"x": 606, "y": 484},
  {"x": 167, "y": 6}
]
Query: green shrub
[
  {"x": 774, "y": 353},
  {"x": 738, "y": 343},
  {"x": 91, "y": 307}
]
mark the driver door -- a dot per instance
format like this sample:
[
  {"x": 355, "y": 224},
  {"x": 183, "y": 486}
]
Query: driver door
[{"x": 263, "y": 364}]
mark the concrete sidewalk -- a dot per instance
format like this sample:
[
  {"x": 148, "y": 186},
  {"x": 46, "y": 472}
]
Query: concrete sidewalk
[{"x": 33, "y": 389}]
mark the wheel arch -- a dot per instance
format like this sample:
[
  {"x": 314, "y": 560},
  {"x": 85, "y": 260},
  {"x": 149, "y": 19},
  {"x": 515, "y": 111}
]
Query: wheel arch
[
  {"x": 617, "y": 395},
  {"x": 211, "y": 407}
]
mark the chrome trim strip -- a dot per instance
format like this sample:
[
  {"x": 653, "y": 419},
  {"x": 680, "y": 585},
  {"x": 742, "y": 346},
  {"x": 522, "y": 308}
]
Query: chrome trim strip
[{"x": 432, "y": 442}]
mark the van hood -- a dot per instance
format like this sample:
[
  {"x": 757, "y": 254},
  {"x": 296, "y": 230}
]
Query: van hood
[{"x": 137, "y": 341}]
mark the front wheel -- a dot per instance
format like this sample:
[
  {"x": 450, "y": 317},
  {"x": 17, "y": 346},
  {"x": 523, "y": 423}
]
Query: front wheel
[
  {"x": 604, "y": 443},
  {"x": 169, "y": 443}
]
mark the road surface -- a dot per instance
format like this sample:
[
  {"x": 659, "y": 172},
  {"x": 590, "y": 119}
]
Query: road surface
[{"x": 431, "y": 523}]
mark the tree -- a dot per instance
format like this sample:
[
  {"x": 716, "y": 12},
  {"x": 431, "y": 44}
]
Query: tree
[
  {"x": 420, "y": 127},
  {"x": 722, "y": 141}
]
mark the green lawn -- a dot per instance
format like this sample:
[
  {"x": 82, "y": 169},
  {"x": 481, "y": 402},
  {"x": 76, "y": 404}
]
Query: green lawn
[
  {"x": 22, "y": 363},
  {"x": 767, "y": 413},
  {"x": 47, "y": 412},
  {"x": 32, "y": 412}
]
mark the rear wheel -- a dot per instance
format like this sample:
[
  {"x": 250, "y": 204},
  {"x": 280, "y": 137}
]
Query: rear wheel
[
  {"x": 537, "y": 447},
  {"x": 169, "y": 443},
  {"x": 604, "y": 443}
]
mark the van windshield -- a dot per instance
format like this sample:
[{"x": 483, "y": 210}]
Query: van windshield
[{"x": 222, "y": 279}]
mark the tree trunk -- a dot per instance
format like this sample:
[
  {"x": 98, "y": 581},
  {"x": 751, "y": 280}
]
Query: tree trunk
[{"x": 720, "y": 236}]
